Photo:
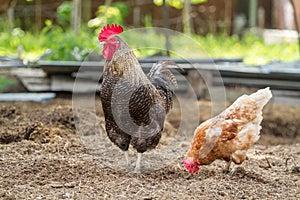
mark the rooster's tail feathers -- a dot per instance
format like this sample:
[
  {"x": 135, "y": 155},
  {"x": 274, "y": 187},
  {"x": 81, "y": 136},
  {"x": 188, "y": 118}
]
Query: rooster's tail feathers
[{"x": 161, "y": 75}]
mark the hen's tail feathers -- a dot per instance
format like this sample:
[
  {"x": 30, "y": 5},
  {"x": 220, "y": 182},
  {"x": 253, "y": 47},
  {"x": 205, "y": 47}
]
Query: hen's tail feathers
[
  {"x": 252, "y": 129},
  {"x": 261, "y": 97},
  {"x": 162, "y": 76}
]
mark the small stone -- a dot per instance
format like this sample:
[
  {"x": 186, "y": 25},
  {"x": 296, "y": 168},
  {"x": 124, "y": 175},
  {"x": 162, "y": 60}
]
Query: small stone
[
  {"x": 56, "y": 185},
  {"x": 66, "y": 196},
  {"x": 70, "y": 184}
]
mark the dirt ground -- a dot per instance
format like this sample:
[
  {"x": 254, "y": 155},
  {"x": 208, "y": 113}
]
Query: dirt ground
[{"x": 43, "y": 157}]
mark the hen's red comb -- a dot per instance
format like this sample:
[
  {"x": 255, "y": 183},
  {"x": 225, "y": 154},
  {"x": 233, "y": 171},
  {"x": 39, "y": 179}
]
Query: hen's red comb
[{"x": 108, "y": 31}]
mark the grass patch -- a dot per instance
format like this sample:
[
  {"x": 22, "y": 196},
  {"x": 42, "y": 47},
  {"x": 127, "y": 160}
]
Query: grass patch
[{"x": 5, "y": 81}]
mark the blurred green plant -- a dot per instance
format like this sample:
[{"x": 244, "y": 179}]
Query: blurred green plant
[
  {"x": 63, "y": 14},
  {"x": 141, "y": 40},
  {"x": 178, "y": 4},
  {"x": 5, "y": 81},
  {"x": 3, "y": 24},
  {"x": 250, "y": 47},
  {"x": 66, "y": 46},
  {"x": 114, "y": 14}
]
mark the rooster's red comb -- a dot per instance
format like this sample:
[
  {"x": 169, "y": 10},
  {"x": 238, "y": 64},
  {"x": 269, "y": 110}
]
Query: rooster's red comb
[{"x": 108, "y": 31}]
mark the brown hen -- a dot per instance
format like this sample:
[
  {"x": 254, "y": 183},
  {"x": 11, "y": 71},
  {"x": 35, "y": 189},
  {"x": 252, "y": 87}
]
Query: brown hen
[{"x": 229, "y": 135}]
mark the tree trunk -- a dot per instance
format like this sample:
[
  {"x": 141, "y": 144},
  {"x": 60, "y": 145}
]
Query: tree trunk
[
  {"x": 86, "y": 10},
  {"x": 296, "y": 22},
  {"x": 252, "y": 13},
  {"x": 167, "y": 26},
  {"x": 11, "y": 14},
  {"x": 186, "y": 19},
  {"x": 76, "y": 16},
  {"x": 38, "y": 14},
  {"x": 107, "y": 5},
  {"x": 227, "y": 17}
]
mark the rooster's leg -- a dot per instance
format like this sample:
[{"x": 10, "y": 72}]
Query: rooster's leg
[
  {"x": 126, "y": 158},
  {"x": 137, "y": 168}
]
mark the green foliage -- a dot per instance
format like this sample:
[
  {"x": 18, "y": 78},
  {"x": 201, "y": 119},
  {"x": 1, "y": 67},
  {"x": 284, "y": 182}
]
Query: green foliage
[
  {"x": 144, "y": 43},
  {"x": 10, "y": 41},
  {"x": 177, "y": 3},
  {"x": 68, "y": 47},
  {"x": 148, "y": 20},
  {"x": 63, "y": 13},
  {"x": 3, "y": 24},
  {"x": 4, "y": 81},
  {"x": 113, "y": 14},
  {"x": 250, "y": 47},
  {"x": 123, "y": 8},
  {"x": 63, "y": 43}
]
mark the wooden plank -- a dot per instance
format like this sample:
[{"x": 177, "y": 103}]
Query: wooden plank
[
  {"x": 61, "y": 83},
  {"x": 38, "y": 97},
  {"x": 279, "y": 84},
  {"x": 73, "y": 66},
  {"x": 34, "y": 79},
  {"x": 14, "y": 64},
  {"x": 68, "y": 84},
  {"x": 89, "y": 75},
  {"x": 286, "y": 93},
  {"x": 63, "y": 74},
  {"x": 282, "y": 71},
  {"x": 199, "y": 61},
  {"x": 58, "y": 67},
  {"x": 286, "y": 100},
  {"x": 277, "y": 76},
  {"x": 29, "y": 72},
  {"x": 36, "y": 84}
]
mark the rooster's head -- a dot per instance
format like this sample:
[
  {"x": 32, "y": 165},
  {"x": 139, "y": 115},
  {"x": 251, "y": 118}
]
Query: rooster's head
[{"x": 111, "y": 43}]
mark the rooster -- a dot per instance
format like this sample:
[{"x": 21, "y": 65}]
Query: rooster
[
  {"x": 134, "y": 104},
  {"x": 229, "y": 135}
]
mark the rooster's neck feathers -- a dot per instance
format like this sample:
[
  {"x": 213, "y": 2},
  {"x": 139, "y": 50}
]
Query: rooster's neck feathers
[{"x": 125, "y": 64}]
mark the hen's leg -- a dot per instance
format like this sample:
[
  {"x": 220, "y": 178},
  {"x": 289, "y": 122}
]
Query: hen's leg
[
  {"x": 238, "y": 158},
  {"x": 227, "y": 168},
  {"x": 228, "y": 164},
  {"x": 137, "y": 168}
]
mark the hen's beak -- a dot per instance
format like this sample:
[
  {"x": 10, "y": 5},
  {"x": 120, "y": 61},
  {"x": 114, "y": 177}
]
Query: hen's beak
[{"x": 102, "y": 43}]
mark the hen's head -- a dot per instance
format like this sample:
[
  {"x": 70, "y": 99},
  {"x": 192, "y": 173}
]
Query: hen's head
[
  {"x": 111, "y": 43},
  {"x": 191, "y": 165}
]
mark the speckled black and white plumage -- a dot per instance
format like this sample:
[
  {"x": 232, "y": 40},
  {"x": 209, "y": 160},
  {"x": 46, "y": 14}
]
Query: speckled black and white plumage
[{"x": 135, "y": 105}]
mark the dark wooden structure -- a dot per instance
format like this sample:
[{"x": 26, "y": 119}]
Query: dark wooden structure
[
  {"x": 214, "y": 16},
  {"x": 200, "y": 74}
]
